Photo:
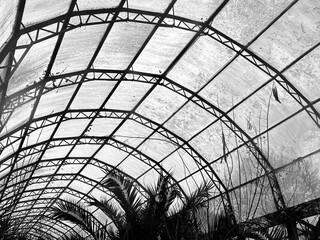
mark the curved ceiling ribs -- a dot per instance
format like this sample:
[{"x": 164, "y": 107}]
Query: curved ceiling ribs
[
  {"x": 175, "y": 21},
  {"x": 51, "y": 62},
  {"x": 76, "y": 18},
  {"x": 190, "y": 43}
]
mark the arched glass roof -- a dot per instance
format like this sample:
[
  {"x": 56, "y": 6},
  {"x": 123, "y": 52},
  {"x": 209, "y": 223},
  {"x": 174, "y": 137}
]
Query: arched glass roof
[{"x": 226, "y": 91}]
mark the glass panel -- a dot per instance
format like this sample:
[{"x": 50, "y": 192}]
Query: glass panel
[
  {"x": 56, "y": 152},
  {"x": 84, "y": 150},
  {"x": 9, "y": 150},
  {"x": 242, "y": 20},
  {"x": 39, "y": 135},
  {"x": 252, "y": 200},
  {"x": 103, "y": 126},
  {"x": 61, "y": 98},
  {"x": 262, "y": 110},
  {"x": 189, "y": 120},
  {"x": 85, "y": 99},
  {"x": 149, "y": 5},
  {"x": 135, "y": 167},
  {"x": 97, "y": 4},
  {"x": 77, "y": 48},
  {"x": 19, "y": 116},
  {"x": 213, "y": 142},
  {"x": 193, "y": 72},
  {"x": 71, "y": 128},
  {"x": 157, "y": 147},
  {"x": 198, "y": 10},
  {"x": 295, "y": 138},
  {"x": 305, "y": 75},
  {"x": 127, "y": 95},
  {"x": 59, "y": 183},
  {"x": 8, "y": 10},
  {"x": 160, "y": 104},
  {"x": 44, "y": 171},
  {"x": 80, "y": 186},
  {"x": 121, "y": 45},
  {"x": 111, "y": 155},
  {"x": 70, "y": 168},
  {"x": 37, "y": 10},
  {"x": 293, "y": 34},
  {"x": 32, "y": 68},
  {"x": 234, "y": 83},
  {"x": 132, "y": 133},
  {"x": 149, "y": 177},
  {"x": 93, "y": 172},
  {"x": 180, "y": 164},
  {"x": 299, "y": 181},
  {"x": 161, "y": 50}
]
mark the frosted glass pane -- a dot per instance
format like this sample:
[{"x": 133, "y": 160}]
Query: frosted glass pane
[
  {"x": 189, "y": 120},
  {"x": 293, "y": 34},
  {"x": 132, "y": 133},
  {"x": 193, "y": 72},
  {"x": 92, "y": 94},
  {"x": 8, "y": 10},
  {"x": 149, "y": 5},
  {"x": 160, "y": 104},
  {"x": 161, "y": 50},
  {"x": 121, "y": 45},
  {"x": 305, "y": 75},
  {"x": 127, "y": 95},
  {"x": 242, "y": 20},
  {"x": 37, "y": 10},
  {"x": 97, "y": 4},
  {"x": 47, "y": 106},
  {"x": 77, "y": 48},
  {"x": 32, "y": 68},
  {"x": 198, "y": 10}
]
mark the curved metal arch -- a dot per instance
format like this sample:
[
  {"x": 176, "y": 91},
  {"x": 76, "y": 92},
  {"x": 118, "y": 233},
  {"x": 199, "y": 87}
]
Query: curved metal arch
[
  {"x": 273, "y": 180},
  {"x": 177, "y": 22},
  {"x": 67, "y": 228},
  {"x": 210, "y": 108},
  {"x": 89, "y": 140},
  {"x": 50, "y": 190},
  {"x": 89, "y": 66},
  {"x": 120, "y": 148},
  {"x": 86, "y": 113},
  {"x": 57, "y": 222},
  {"x": 74, "y": 161},
  {"x": 60, "y": 177},
  {"x": 149, "y": 78}
]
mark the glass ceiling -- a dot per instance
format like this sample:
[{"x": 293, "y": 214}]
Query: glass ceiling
[{"x": 227, "y": 91}]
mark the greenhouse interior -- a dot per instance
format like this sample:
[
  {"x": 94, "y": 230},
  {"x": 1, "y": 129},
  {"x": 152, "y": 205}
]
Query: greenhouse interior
[{"x": 159, "y": 119}]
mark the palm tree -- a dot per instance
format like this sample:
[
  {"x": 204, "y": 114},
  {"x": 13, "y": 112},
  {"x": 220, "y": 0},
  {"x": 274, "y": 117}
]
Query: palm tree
[
  {"x": 79, "y": 215},
  {"x": 8, "y": 230},
  {"x": 138, "y": 218},
  {"x": 220, "y": 228}
]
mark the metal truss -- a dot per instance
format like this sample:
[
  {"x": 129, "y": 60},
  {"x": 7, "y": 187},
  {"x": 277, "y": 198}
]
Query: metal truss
[
  {"x": 140, "y": 50},
  {"x": 15, "y": 51},
  {"x": 105, "y": 16},
  {"x": 70, "y": 79},
  {"x": 47, "y": 226},
  {"x": 298, "y": 212}
]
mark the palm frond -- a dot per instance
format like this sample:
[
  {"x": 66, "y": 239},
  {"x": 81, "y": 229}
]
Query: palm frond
[
  {"x": 111, "y": 211},
  {"x": 72, "y": 236},
  {"x": 124, "y": 191},
  {"x": 4, "y": 226},
  {"x": 197, "y": 199},
  {"x": 77, "y": 214}
]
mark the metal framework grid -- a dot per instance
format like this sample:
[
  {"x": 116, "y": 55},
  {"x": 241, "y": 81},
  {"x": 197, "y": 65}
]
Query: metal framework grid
[{"x": 21, "y": 203}]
